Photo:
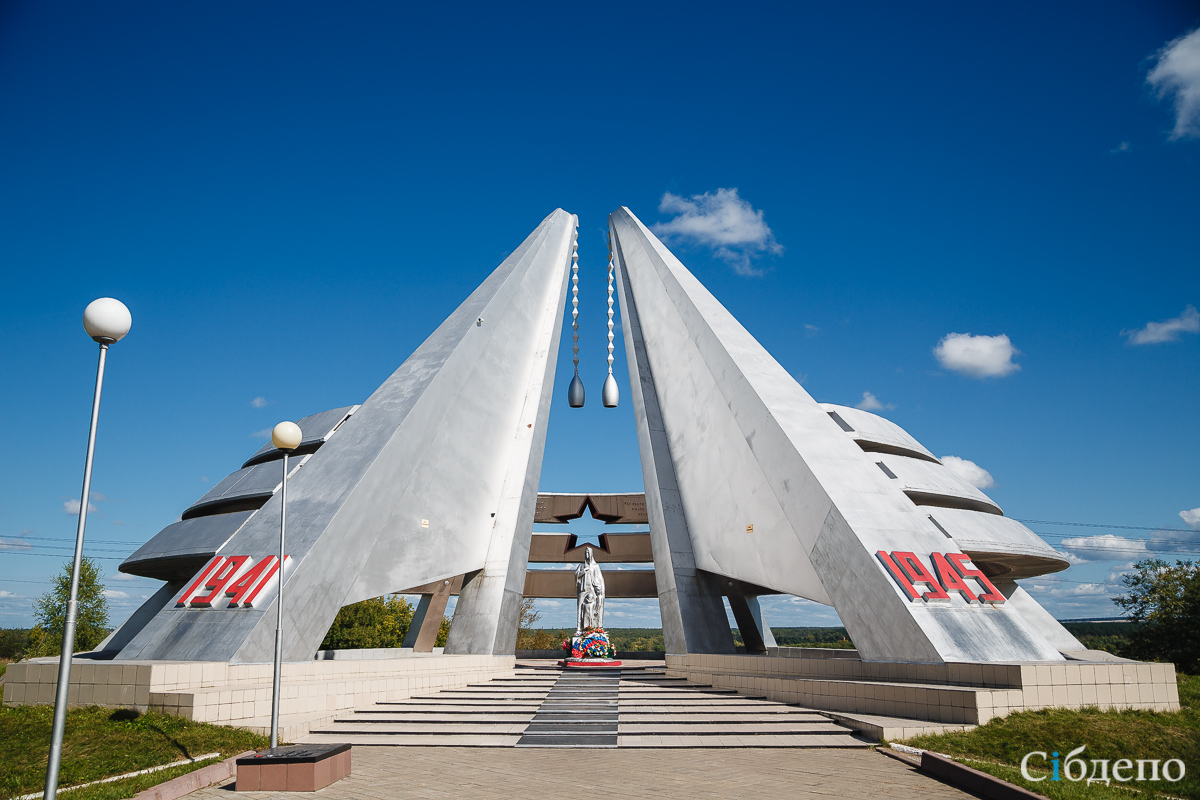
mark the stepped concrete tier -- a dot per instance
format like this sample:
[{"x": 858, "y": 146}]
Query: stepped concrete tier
[
  {"x": 895, "y": 700},
  {"x": 752, "y": 483},
  {"x": 636, "y": 706},
  {"x": 312, "y": 692}
]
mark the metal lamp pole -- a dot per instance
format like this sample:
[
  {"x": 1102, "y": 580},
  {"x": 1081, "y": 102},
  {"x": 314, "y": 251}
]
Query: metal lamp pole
[
  {"x": 107, "y": 321},
  {"x": 287, "y": 437}
]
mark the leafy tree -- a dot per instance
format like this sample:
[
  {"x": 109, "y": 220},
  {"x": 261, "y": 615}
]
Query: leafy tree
[
  {"x": 50, "y": 611},
  {"x": 1166, "y": 600},
  {"x": 14, "y": 642},
  {"x": 443, "y": 632},
  {"x": 378, "y": 622},
  {"x": 529, "y": 638}
]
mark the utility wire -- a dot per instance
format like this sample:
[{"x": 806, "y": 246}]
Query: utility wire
[
  {"x": 1099, "y": 525},
  {"x": 16, "y": 538}
]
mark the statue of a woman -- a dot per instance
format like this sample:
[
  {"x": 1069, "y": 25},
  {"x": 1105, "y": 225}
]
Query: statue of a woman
[{"x": 589, "y": 594}]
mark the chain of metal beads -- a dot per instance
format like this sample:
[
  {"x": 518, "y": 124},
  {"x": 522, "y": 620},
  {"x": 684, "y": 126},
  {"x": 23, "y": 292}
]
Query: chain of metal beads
[
  {"x": 575, "y": 303},
  {"x": 610, "y": 311}
]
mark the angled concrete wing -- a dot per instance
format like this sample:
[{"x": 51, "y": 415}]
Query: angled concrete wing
[
  {"x": 748, "y": 479},
  {"x": 434, "y": 476}
]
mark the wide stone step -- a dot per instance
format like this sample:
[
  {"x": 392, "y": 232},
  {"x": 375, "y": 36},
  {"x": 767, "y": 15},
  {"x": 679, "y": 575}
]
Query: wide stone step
[
  {"x": 919, "y": 701},
  {"x": 741, "y": 741},
  {"x": 417, "y": 740},
  {"x": 370, "y": 717},
  {"x": 341, "y": 727},
  {"x": 727, "y": 726}
]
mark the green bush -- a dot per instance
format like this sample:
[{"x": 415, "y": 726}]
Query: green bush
[{"x": 378, "y": 622}]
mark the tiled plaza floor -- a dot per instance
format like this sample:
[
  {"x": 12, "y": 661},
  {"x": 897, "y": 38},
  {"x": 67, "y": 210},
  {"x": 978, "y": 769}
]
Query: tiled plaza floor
[{"x": 507, "y": 773}]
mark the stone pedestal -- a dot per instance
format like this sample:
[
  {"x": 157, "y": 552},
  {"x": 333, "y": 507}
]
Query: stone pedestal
[{"x": 300, "y": 768}]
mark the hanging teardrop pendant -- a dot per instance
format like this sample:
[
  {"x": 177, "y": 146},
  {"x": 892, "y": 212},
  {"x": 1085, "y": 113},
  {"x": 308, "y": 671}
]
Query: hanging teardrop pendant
[
  {"x": 610, "y": 394},
  {"x": 575, "y": 393}
]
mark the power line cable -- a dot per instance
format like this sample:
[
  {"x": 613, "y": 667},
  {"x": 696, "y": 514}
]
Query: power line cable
[
  {"x": 17, "y": 538},
  {"x": 1100, "y": 525}
]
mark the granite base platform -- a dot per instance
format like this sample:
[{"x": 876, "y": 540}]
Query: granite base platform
[{"x": 299, "y": 768}]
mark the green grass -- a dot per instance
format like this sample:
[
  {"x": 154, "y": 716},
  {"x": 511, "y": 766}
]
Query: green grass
[
  {"x": 1107, "y": 734},
  {"x": 101, "y": 743},
  {"x": 1063, "y": 790}
]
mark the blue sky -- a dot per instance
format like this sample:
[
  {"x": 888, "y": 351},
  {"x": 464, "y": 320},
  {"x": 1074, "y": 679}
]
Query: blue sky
[{"x": 290, "y": 197}]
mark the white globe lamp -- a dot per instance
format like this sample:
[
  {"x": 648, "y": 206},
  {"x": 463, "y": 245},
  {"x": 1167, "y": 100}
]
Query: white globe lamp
[
  {"x": 107, "y": 320},
  {"x": 287, "y": 436}
]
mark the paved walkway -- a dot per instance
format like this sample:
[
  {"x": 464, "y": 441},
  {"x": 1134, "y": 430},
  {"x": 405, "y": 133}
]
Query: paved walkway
[{"x": 484, "y": 773}]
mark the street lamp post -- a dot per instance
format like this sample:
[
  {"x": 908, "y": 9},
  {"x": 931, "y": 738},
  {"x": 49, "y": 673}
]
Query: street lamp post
[
  {"x": 107, "y": 321},
  {"x": 287, "y": 437}
]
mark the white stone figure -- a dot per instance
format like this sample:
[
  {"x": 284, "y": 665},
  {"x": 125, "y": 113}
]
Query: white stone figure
[{"x": 589, "y": 593}]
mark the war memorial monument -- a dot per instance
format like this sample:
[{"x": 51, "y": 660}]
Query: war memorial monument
[{"x": 751, "y": 488}]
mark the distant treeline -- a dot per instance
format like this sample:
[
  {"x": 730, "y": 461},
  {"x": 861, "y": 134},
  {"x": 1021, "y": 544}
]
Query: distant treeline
[
  {"x": 811, "y": 637},
  {"x": 1113, "y": 637},
  {"x": 14, "y": 643},
  {"x": 651, "y": 639}
]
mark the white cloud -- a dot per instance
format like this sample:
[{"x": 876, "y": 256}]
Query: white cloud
[
  {"x": 5, "y": 595},
  {"x": 121, "y": 576},
  {"x": 114, "y": 594},
  {"x": 870, "y": 402},
  {"x": 1088, "y": 589},
  {"x": 721, "y": 220},
  {"x": 1191, "y": 518},
  {"x": 265, "y": 433},
  {"x": 977, "y": 356},
  {"x": 1177, "y": 74},
  {"x": 969, "y": 471},
  {"x": 1105, "y": 547},
  {"x": 13, "y": 544},
  {"x": 1167, "y": 330},
  {"x": 260, "y": 402},
  {"x": 1114, "y": 575},
  {"x": 72, "y": 507},
  {"x": 1123, "y": 147}
]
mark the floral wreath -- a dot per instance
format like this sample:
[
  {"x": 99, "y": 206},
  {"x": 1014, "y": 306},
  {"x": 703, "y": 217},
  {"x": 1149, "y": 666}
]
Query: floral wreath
[{"x": 593, "y": 643}]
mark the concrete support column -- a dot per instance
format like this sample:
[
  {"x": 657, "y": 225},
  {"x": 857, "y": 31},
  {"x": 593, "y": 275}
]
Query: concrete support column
[
  {"x": 756, "y": 634},
  {"x": 764, "y": 629},
  {"x": 427, "y": 620}
]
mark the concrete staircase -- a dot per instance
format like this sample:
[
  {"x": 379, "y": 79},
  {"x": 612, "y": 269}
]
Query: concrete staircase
[{"x": 638, "y": 707}]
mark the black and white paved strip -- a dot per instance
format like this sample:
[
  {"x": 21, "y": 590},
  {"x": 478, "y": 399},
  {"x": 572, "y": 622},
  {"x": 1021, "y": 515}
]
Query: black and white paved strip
[{"x": 581, "y": 710}]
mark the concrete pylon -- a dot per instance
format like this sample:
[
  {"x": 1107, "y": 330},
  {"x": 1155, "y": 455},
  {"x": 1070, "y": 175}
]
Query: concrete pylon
[
  {"x": 433, "y": 477},
  {"x": 750, "y": 479}
]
